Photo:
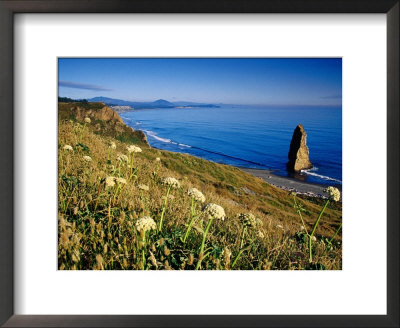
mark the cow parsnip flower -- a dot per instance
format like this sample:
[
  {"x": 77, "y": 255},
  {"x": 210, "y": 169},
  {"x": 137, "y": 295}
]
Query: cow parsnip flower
[
  {"x": 143, "y": 187},
  {"x": 133, "y": 149},
  {"x": 145, "y": 223},
  {"x": 197, "y": 195},
  {"x": 68, "y": 147},
  {"x": 171, "y": 182},
  {"x": 215, "y": 211},
  {"x": 121, "y": 180},
  {"x": 333, "y": 193},
  {"x": 248, "y": 219},
  {"x": 122, "y": 158},
  {"x": 110, "y": 181}
]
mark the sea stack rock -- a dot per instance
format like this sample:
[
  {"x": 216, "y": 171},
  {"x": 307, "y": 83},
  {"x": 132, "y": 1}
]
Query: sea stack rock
[{"x": 298, "y": 152}]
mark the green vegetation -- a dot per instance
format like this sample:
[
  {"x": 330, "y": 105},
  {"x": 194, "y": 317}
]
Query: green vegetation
[{"x": 119, "y": 211}]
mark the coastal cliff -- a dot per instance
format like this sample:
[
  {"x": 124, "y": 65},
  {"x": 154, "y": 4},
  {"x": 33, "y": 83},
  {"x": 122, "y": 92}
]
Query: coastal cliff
[{"x": 105, "y": 120}]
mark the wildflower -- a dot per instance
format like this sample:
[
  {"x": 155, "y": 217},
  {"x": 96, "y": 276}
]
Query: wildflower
[
  {"x": 313, "y": 238},
  {"x": 196, "y": 195},
  {"x": 121, "y": 180},
  {"x": 68, "y": 147},
  {"x": 110, "y": 181},
  {"x": 247, "y": 219},
  {"x": 88, "y": 120},
  {"x": 333, "y": 193},
  {"x": 113, "y": 145},
  {"x": 87, "y": 158},
  {"x": 145, "y": 223},
  {"x": 215, "y": 211},
  {"x": 171, "y": 182},
  {"x": 122, "y": 158},
  {"x": 260, "y": 234},
  {"x": 158, "y": 159},
  {"x": 133, "y": 149},
  {"x": 143, "y": 187}
]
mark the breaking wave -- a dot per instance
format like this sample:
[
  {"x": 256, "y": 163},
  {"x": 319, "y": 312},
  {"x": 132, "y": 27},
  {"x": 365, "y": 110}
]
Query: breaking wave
[{"x": 312, "y": 172}]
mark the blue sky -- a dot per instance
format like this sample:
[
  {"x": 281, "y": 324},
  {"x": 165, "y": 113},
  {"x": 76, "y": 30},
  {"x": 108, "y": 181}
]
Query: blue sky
[{"x": 253, "y": 81}]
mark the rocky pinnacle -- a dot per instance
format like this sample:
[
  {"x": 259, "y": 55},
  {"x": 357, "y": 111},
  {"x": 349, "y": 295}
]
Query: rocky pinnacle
[{"x": 298, "y": 152}]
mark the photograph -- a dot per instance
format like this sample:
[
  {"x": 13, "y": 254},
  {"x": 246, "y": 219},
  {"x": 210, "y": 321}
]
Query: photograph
[{"x": 199, "y": 163}]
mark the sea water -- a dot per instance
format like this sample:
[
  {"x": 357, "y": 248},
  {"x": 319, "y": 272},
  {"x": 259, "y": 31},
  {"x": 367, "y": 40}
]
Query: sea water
[{"x": 248, "y": 136}]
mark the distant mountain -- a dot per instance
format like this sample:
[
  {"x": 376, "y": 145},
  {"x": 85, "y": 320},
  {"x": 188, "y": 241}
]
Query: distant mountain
[
  {"x": 160, "y": 103},
  {"x": 111, "y": 101}
]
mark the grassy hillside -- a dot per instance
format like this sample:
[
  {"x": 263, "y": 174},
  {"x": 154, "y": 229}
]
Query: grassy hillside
[{"x": 104, "y": 190}]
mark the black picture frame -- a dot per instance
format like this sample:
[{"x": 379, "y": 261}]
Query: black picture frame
[{"x": 10, "y": 7}]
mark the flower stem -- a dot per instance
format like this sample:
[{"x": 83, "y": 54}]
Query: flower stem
[
  {"x": 242, "y": 237},
  {"x": 239, "y": 254},
  {"x": 330, "y": 240},
  {"x": 314, "y": 228},
  {"x": 143, "y": 257},
  {"x": 301, "y": 217},
  {"x": 164, "y": 208},
  {"x": 203, "y": 242},
  {"x": 131, "y": 166},
  {"x": 190, "y": 222}
]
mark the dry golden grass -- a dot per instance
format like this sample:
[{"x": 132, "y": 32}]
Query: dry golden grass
[{"x": 97, "y": 222}]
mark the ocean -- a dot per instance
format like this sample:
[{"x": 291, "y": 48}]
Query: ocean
[{"x": 248, "y": 136}]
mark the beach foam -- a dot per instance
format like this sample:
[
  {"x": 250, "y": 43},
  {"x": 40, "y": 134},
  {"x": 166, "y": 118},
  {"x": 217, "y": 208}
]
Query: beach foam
[{"x": 324, "y": 177}]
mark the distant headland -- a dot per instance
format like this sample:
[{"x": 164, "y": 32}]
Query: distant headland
[{"x": 120, "y": 104}]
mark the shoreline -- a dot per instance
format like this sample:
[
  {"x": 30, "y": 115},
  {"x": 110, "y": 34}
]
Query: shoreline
[
  {"x": 289, "y": 184},
  {"x": 309, "y": 189}
]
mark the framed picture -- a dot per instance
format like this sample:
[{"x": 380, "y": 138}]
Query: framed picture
[{"x": 164, "y": 162}]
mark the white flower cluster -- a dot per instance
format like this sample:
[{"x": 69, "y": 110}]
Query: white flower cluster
[
  {"x": 172, "y": 182},
  {"x": 145, "y": 224},
  {"x": 88, "y": 120},
  {"x": 68, "y": 147},
  {"x": 133, "y": 149},
  {"x": 248, "y": 219},
  {"x": 333, "y": 193},
  {"x": 113, "y": 145},
  {"x": 121, "y": 180},
  {"x": 143, "y": 187},
  {"x": 158, "y": 159},
  {"x": 110, "y": 181},
  {"x": 87, "y": 158},
  {"x": 197, "y": 195},
  {"x": 215, "y": 211},
  {"x": 122, "y": 158}
]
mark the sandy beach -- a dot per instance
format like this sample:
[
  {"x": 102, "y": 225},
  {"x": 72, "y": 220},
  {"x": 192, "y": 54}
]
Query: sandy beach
[{"x": 289, "y": 184}]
